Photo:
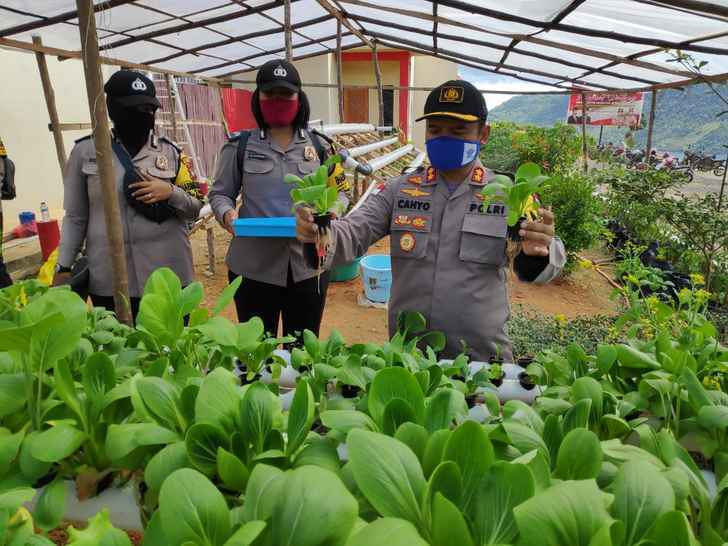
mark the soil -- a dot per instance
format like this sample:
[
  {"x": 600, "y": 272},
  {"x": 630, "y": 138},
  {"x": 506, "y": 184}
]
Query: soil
[
  {"x": 584, "y": 292},
  {"x": 60, "y": 535}
]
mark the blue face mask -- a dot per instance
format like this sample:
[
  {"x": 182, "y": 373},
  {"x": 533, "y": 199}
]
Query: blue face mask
[{"x": 447, "y": 153}]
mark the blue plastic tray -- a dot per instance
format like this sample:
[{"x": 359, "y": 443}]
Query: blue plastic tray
[{"x": 283, "y": 226}]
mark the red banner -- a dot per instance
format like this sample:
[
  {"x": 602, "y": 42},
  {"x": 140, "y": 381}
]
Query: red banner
[{"x": 621, "y": 109}]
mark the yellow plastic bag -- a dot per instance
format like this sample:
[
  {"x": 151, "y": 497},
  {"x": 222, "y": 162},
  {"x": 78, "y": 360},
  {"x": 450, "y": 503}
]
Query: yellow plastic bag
[{"x": 48, "y": 269}]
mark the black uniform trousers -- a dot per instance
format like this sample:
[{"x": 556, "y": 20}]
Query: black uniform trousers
[
  {"x": 5, "y": 279},
  {"x": 300, "y": 303}
]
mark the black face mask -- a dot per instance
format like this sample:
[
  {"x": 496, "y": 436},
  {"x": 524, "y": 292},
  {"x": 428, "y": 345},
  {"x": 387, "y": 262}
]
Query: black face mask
[{"x": 132, "y": 126}]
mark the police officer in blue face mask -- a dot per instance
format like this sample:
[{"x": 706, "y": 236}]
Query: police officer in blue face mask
[{"x": 448, "y": 254}]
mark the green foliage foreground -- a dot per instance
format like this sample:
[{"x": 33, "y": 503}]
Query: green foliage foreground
[{"x": 605, "y": 457}]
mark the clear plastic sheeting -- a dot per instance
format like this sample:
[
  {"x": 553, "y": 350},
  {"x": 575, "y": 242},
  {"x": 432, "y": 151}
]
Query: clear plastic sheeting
[{"x": 559, "y": 43}]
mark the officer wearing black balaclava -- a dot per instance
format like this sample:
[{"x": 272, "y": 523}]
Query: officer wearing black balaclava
[{"x": 157, "y": 191}]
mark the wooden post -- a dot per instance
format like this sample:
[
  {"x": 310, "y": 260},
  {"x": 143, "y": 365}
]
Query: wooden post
[
  {"x": 50, "y": 100},
  {"x": 102, "y": 142},
  {"x": 211, "y": 250},
  {"x": 584, "y": 149},
  {"x": 172, "y": 107},
  {"x": 339, "y": 71},
  {"x": 650, "y": 127},
  {"x": 289, "y": 38},
  {"x": 378, "y": 74}
]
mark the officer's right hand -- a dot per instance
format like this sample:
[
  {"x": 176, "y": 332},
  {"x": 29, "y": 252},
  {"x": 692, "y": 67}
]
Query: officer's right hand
[
  {"x": 61, "y": 278},
  {"x": 306, "y": 230},
  {"x": 228, "y": 219}
]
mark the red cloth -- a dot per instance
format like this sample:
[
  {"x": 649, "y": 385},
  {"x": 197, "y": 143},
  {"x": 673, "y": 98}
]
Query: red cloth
[
  {"x": 238, "y": 113},
  {"x": 50, "y": 237},
  {"x": 25, "y": 230}
]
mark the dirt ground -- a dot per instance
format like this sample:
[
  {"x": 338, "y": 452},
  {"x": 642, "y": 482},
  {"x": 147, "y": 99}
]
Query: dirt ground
[{"x": 585, "y": 292}]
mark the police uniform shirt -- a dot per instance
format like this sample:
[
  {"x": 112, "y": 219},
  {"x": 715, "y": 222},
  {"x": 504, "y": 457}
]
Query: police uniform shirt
[
  {"x": 148, "y": 245},
  {"x": 264, "y": 194},
  {"x": 448, "y": 257}
]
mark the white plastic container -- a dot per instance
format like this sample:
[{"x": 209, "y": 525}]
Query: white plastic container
[
  {"x": 511, "y": 389},
  {"x": 286, "y": 397},
  {"x": 120, "y": 502}
]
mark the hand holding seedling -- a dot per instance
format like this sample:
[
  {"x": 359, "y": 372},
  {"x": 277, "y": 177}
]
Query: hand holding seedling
[
  {"x": 306, "y": 230},
  {"x": 537, "y": 235}
]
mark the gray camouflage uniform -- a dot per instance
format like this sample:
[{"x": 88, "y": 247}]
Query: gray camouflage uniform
[
  {"x": 147, "y": 244},
  {"x": 448, "y": 257}
]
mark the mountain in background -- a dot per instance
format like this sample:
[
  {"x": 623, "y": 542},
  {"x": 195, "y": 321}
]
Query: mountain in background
[{"x": 683, "y": 118}]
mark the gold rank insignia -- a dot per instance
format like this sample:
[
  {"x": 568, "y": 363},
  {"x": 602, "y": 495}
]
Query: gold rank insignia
[
  {"x": 419, "y": 222},
  {"x": 415, "y": 192},
  {"x": 452, "y": 94},
  {"x": 431, "y": 174},
  {"x": 309, "y": 154},
  {"x": 402, "y": 220},
  {"x": 407, "y": 242},
  {"x": 478, "y": 175},
  {"x": 161, "y": 162},
  {"x": 416, "y": 180},
  {"x": 3, "y": 153}
]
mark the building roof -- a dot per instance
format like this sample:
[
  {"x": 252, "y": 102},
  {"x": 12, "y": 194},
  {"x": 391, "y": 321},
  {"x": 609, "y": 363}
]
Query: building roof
[{"x": 600, "y": 45}]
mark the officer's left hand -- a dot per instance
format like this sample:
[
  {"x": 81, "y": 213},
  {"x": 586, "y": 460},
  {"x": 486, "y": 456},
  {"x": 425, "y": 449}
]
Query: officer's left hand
[
  {"x": 151, "y": 190},
  {"x": 537, "y": 236}
]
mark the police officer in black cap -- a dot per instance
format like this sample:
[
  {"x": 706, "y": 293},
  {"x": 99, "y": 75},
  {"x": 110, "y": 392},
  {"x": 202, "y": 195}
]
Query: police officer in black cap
[
  {"x": 448, "y": 254},
  {"x": 278, "y": 282},
  {"x": 157, "y": 191}
]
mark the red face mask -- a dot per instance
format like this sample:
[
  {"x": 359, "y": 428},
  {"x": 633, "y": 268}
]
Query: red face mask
[{"x": 279, "y": 112}]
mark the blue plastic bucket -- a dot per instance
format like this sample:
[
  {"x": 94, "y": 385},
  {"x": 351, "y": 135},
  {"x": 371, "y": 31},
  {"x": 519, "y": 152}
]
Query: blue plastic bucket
[
  {"x": 376, "y": 274},
  {"x": 284, "y": 226},
  {"x": 26, "y": 217}
]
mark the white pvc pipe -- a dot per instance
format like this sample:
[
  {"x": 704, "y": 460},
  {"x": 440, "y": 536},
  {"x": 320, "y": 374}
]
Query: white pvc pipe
[
  {"x": 367, "y": 148},
  {"x": 382, "y": 161},
  {"x": 363, "y": 198},
  {"x": 416, "y": 162},
  {"x": 347, "y": 128}
]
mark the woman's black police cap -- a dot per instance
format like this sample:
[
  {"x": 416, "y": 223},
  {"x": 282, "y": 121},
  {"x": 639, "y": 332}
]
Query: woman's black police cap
[
  {"x": 456, "y": 99},
  {"x": 131, "y": 88},
  {"x": 278, "y": 73}
]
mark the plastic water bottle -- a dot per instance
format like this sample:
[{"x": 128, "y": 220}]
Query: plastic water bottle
[{"x": 45, "y": 214}]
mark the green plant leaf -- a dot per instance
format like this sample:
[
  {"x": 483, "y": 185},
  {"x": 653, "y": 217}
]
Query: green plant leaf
[
  {"x": 122, "y": 440},
  {"x": 66, "y": 388},
  {"x": 388, "y": 474},
  {"x": 192, "y": 295},
  {"x": 567, "y": 514},
  {"x": 444, "y": 407},
  {"x": 528, "y": 170},
  {"x": 11, "y": 499},
  {"x": 389, "y": 531},
  {"x": 232, "y": 471},
  {"x": 264, "y": 485},
  {"x": 218, "y": 400},
  {"x": 606, "y": 357},
  {"x": 580, "y": 456},
  {"x": 226, "y": 296},
  {"x": 99, "y": 532},
  {"x": 641, "y": 495},
  {"x": 588, "y": 388},
  {"x": 31, "y": 468},
  {"x": 300, "y": 417},
  {"x": 447, "y": 481},
  {"x": 316, "y": 509},
  {"x": 157, "y": 400},
  {"x": 220, "y": 330},
  {"x": 396, "y": 413},
  {"x": 448, "y": 524},
  {"x": 257, "y": 410},
  {"x": 470, "y": 448},
  {"x": 99, "y": 378},
  {"x": 714, "y": 417},
  {"x": 503, "y": 487},
  {"x": 57, "y": 443},
  {"x": 164, "y": 463},
  {"x": 435, "y": 450},
  {"x": 629, "y": 357},
  {"x": 247, "y": 534},
  {"x": 193, "y": 510},
  {"x": 395, "y": 383},
  {"x": 578, "y": 415},
  {"x": 346, "y": 420},
  {"x": 12, "y": 393},
  {"x": 202, "y": 442},
  {"x": 9, "y": 448},
  {"x": 413, "y": 436},
  {"x": 672, "y": 529},
  {"x": 51, "y": 505},
  {"x": 538, "y": 464}
]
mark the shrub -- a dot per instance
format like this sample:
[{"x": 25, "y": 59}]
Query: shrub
[{"x": 577, "y": 210}]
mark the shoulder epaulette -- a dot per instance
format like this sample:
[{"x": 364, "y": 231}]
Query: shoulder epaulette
[
  {"x": 171, "y": 143},
  {"x": 84, "y": 138}
]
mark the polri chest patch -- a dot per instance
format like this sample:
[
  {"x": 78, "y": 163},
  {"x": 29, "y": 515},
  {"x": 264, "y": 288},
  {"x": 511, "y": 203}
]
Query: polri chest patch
[{"x": 255, "y": 155}]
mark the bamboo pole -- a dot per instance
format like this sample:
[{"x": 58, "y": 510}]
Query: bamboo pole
[
  {"x": 380, "y": 91},
  {"x": 339, "y": 70},
  {"x": 585, "y": 153},
  {"x": 102, "y": 142},
  {"x": 172, "y": 107},
  {"x": 50, "y": 100},
  {"x": 210, "y": 250},
  {"x": 650, "y": 127},
  {"x": 289, "y": 38}
]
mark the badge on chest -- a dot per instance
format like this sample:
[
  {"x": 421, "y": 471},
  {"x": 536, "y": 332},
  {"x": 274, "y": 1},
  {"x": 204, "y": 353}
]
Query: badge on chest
[
  {"x": 309, "y": 154},
  {"x": 162, "y": 163}
]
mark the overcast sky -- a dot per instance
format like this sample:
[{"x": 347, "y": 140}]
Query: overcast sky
[{"x": 488, "y": 80}]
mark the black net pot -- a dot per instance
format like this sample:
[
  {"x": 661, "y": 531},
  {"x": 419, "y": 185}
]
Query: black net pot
[{"x": 310, "y": 252}]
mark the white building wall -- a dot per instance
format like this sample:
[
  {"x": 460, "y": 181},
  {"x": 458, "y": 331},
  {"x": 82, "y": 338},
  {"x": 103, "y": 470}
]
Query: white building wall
[{"x": 426, "y": 72}]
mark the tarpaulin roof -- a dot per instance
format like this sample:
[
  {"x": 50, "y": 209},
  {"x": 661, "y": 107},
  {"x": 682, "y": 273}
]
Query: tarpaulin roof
[{"x": 592, "y": 44}]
